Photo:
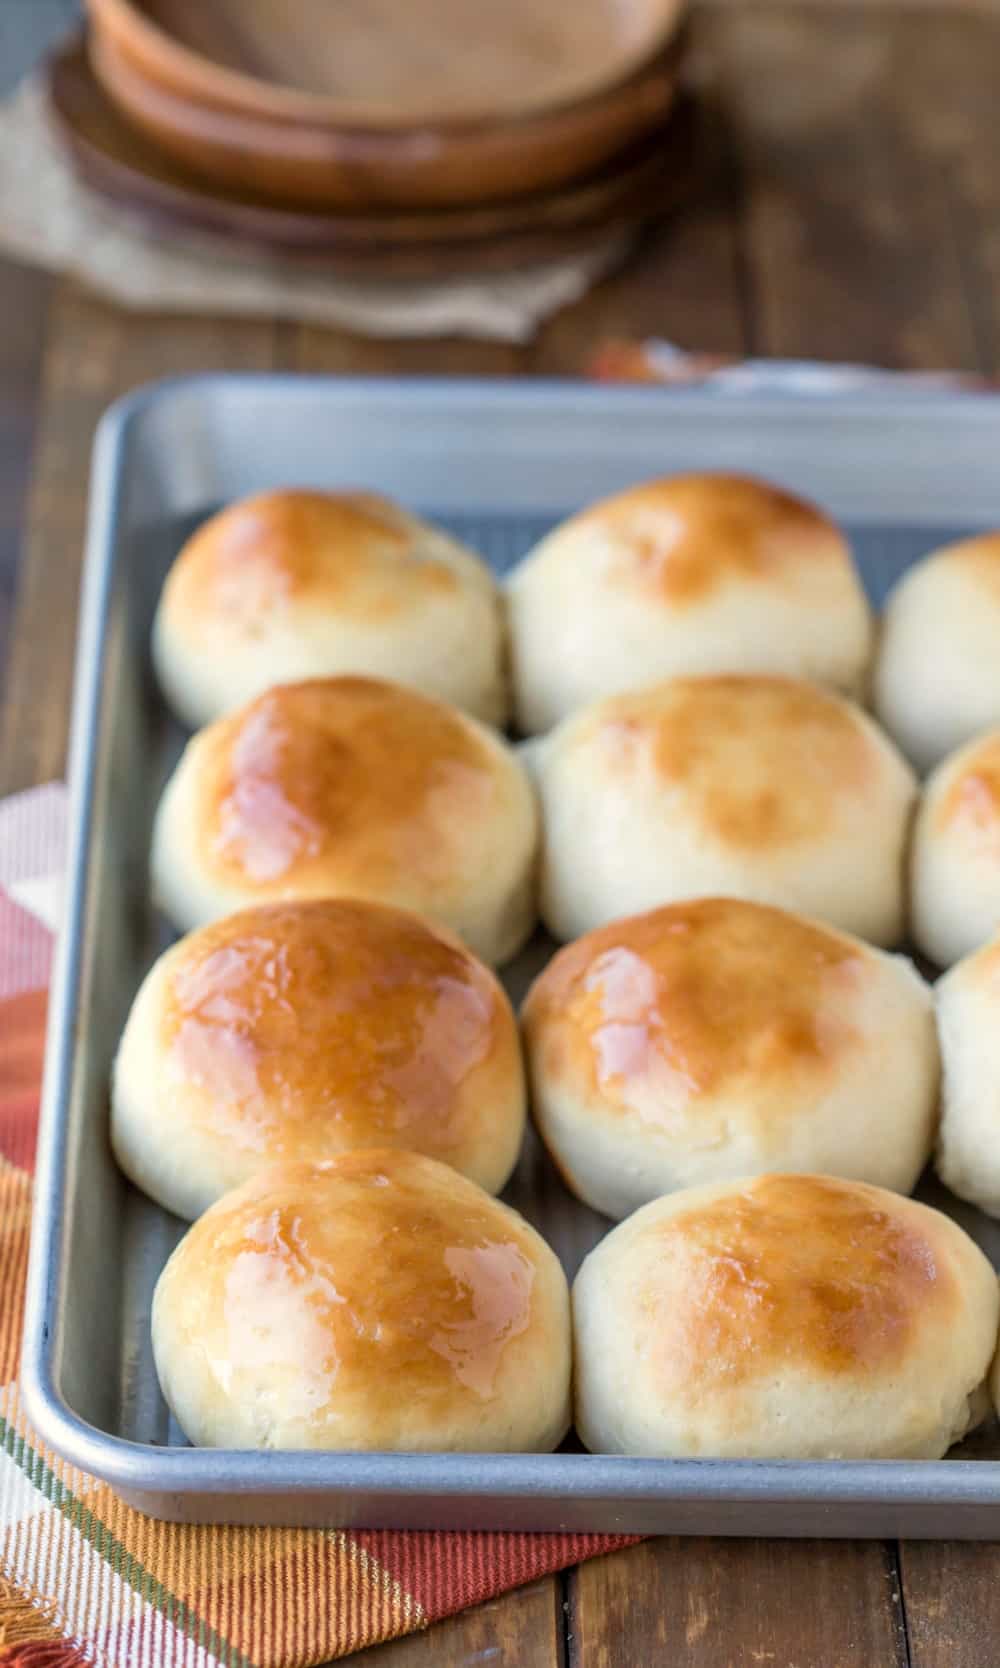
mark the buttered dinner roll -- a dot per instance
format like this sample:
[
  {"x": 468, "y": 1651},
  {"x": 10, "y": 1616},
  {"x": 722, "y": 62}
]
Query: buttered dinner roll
[
  {"x": 306, "y": 1029},
  {"x": 348, "y": 787},
  {"x": 955, "y": 864},
  {"x": 937, "y": 676},
  {"x": 695, "y": 573},
  {"x": 290, "y": 585},
  {"x": 968, "y": 1009},
  {"x": 719, "y": 1038},
  {"x": 375, "y": 1300},
  {"x": 764, "y": 788},
  {"x": 783, "y": 1317}
]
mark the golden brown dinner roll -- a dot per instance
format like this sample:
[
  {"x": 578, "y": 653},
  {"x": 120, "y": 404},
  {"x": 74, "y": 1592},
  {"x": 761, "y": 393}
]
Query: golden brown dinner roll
[
  {"x": 955, "y": 865},
  {"x": 763, "y": 788},
  {"x": 291, "y": 585},
  {"x": 695, "y": 573},
  {"x": 306, "y": 1029},
  {"x": 720, "y": 1038},
  {"x": 937, "y": 674},
  {"x": 968, "y": 1010},
  {"x": 783, "y": 1317},
  {"x": 375, "y": 1300},
  {"x": 347, "y": 787}
]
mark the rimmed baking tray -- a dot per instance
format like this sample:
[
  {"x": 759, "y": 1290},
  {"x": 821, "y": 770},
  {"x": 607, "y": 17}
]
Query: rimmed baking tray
[{"x": 499, "y": 462}]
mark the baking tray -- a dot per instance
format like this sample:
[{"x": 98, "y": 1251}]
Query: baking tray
[{"x": 499, "y": 463}]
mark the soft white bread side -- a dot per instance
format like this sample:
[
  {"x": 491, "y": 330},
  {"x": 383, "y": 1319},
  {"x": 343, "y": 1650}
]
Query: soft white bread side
[
  {"x": 690, "y": 574},
  {"x": 968, "y": 1010},
  {"x": 955, "y": 860},
  {"x": 937, "y": 672},
  {"x": 291, "y": 585},
  {"x": 720, "y": 1038},
  {"x": 347, "y": 787},
  {"x": 306, "y": 1029},
  {"x": 764, "y": 788},
  {"x": 783, "y": 1317},
  {"x": 373, "y": 1301}
]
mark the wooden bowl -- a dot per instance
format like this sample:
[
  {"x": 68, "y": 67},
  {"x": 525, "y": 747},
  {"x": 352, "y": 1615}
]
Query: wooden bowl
[
  {"x": 309, "y": 164},
  {"x": 389, "y": 64},
  {"x": 115, "y": 160}
]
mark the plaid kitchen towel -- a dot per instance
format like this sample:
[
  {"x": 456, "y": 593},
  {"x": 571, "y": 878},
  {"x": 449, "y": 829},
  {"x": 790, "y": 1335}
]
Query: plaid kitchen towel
[{"x": 83, "y": 1577}]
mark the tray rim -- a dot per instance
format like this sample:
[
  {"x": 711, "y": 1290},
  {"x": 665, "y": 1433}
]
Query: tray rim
[{"x": 148, "y": 1472}]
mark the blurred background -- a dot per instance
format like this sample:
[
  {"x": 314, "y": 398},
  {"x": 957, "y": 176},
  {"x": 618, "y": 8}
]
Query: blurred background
[{"x": 27, "y": 29}]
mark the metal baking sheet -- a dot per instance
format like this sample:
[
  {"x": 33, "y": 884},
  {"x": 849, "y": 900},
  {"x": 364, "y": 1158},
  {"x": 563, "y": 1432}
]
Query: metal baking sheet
[{"x": 499, "y": 463}]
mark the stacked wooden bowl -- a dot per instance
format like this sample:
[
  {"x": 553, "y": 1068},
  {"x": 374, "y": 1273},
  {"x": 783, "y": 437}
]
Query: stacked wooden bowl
[{"x": 384, "y": 130}]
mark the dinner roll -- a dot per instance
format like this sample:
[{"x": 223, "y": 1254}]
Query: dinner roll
[
  {"x": 937, "y": 675},
  {"x": 291, "y": 585},
  {"x": 763, "y": 788},
  {"x": 955, "y": 866},
  {"x": 720, "y": 1038},
  {"x": 374, "y": 1300},
  {"x": 695, "y": 573},
  {"x": 306, "y": 1029},
  {"x": 351, "y": 787},
  {"x": 783, "y": 1317},
  {"x": 968, "y": 1008}
]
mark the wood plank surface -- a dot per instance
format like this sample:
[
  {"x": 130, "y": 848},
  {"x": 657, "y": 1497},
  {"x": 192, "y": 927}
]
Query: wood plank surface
[
  {"x": 24, "y": 297},
  {"x": 853, "y": 215},
  {"x": 950, "y": 78},
  {"x": 848, "y": 246},
  {"x": 94, "y": 353},
  {"x": 738, "y": 1604},
  {"x": 952, "y": 1597},
  {"x": 523, "y": 1629}
]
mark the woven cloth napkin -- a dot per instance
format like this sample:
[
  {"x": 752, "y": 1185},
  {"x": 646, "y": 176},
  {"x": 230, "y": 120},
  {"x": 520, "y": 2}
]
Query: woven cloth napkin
[
  {"x": 83, "y": 1577},
  {"x": 50, "y": 219}
]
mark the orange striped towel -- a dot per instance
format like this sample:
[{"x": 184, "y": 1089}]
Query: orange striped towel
[{"x": 83, "y": 1577}]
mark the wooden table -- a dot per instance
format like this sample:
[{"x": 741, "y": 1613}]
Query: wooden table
[{"x": 858, "y": 217}]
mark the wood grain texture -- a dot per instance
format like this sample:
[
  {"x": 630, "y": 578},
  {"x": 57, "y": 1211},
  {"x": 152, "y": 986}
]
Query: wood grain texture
[
  {"x": 93, "y": 354},
  {"x": 24, "y": 297},
  {"x": 950, "y": 84},
  {"x": 521, "y": 1630},
  {"x": 952, "y": 1597},
  {"x": 738, "y": 1604},
  {"x": 847, "y": 238}
]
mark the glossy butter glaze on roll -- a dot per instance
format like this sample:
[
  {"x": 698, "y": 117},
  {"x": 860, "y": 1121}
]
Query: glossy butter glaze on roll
[
  {"x": 290, "y": 585},
  {"x": 720, "y": 1038},
  {"x": 306, "y": 1029},
  {"x": 372, "y": 1301},
  {"x": 955, "y": 864},
  {"x": 690, "y": 574},
  {"x": 937, "y": 676},
  {"x": 765, "y": 788},
  {"x": 783, "y": 1317},
  {"x": 351, "y": 787}
]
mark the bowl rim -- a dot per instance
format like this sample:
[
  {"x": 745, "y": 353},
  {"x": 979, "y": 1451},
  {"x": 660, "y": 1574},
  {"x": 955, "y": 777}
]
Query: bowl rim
[
  {"x": 660, "y": 77},
  {"x": 165, "y": 59},
  {"x": 270, "y": 223}
]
